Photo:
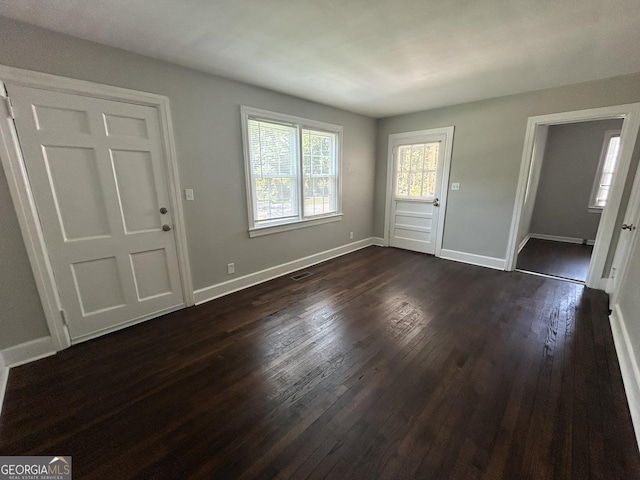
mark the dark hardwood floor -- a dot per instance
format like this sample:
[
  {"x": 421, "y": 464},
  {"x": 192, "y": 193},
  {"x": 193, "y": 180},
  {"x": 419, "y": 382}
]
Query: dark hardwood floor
[
  {"x": 559, "y": 259},
  {"x": 382, "y": 364}
]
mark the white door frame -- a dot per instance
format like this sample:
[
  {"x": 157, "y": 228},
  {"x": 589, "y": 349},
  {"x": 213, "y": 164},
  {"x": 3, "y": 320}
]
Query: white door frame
[
  {"x": 446, "y": 167},
  {"x": 631, "y": 115},
  {"x": 17, "y": 178}
]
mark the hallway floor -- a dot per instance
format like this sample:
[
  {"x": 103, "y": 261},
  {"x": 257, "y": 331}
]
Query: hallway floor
[{"x": 558, "y": 259}]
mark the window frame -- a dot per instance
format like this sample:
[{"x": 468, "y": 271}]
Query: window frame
[
  {"x": 597, "y": 181},
  {"x": 301, "y": 123}
]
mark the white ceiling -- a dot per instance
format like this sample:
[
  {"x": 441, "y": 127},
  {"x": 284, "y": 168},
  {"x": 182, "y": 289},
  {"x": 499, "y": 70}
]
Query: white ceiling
[{"x": 375, "y": 57}]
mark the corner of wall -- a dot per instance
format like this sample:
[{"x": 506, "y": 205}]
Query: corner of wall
[
  {"x": 28, "y": 352},
  {"x": 524, "y": 242}
]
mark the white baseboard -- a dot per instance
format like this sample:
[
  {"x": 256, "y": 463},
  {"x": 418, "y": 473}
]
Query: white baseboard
[
  {"x": 523, "y": 243},
  {"x": 628, "y": 366},
  {"x": 21, "y": 354},
  {"x": 558, "y": 238},
  {"x": 473, "y": 259},
  {"x": 4, "y": 378},
  {"x": 28, "y": 352},
  {"x": 377, "y": 241},
  {"x": 225, "y": 288}
]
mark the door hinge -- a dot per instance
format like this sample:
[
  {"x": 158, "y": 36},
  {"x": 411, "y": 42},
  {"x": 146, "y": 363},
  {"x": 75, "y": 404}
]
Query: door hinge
[
  {"x": 64, "y": 317},
  {"x": 9, "y": 107}
]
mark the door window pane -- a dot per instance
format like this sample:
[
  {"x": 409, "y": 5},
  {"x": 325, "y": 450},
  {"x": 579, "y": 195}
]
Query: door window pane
[{"x": 416, "y": 167}]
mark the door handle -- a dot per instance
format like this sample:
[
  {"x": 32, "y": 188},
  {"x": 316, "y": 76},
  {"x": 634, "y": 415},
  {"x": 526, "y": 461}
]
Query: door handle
[
  {"x": 163, "y": 210},
  {"x": 628, "y": 227},
  {"x": 436, "y": 202},
  {"x": 166, "y": 227}
]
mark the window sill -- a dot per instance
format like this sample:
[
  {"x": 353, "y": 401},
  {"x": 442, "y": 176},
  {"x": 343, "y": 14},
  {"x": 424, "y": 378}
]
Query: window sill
[{"x": 285, "y": 227}]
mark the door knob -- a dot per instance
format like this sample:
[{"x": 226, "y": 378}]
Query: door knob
[
  {"x": 436, "y": 202},
  {"x": 628, "y": 227},
  {"x": 163, "y": 210},
  {"x": 166, "y": 227}
]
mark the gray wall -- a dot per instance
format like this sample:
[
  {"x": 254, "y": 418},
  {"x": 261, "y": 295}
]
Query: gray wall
[
  {"x": 569, "y": 169},
  {"x": 21, "y": 315},
  {"x": 487, "y": 151},
  {"x": 206, "y": 117}
]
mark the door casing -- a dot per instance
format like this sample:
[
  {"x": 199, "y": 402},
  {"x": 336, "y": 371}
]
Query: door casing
[
  {"x": 20, "y": 188},
  {"x": 446, "y": 167}
]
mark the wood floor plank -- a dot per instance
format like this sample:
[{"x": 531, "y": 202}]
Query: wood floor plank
[{"x": 382, "y": 364}]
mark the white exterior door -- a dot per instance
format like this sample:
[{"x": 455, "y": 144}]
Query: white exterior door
[
  {"x": 416, "y": 192},
  {"x": 97, "y": 172}
]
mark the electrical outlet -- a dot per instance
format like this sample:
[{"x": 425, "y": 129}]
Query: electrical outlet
[
  {"x": 350, "y": 235},
  {"x": 455, "y": 186},
  {"x": 231, "y": 268},
  {"x": 188, "y": 194}
]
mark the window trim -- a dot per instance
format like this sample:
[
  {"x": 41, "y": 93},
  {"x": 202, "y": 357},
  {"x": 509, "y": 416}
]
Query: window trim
[
  {"x": 304, "y": 123},
  {"x": 608, "y": 135}
]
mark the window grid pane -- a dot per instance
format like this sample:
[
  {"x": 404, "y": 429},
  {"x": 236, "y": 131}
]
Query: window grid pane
[
  {"x": 416, "y": 169},
  {"x": 319, "y": 172},
  {"x": 273, "y": 156}
]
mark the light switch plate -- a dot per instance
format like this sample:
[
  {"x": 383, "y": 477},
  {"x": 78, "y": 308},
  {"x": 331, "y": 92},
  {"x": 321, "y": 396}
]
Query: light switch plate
[
  {"x": 188, "y": 194},
  {"x": 455, "y": 186}
]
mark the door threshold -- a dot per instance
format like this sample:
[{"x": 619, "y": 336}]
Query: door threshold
[{"x": 553, "y": 277}]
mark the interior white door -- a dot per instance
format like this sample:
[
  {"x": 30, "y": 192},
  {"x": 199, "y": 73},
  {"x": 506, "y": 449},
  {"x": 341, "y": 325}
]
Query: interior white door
[
  {"x": 97, "y": 172},
  {"x": 625, "y": 241},
  {"x": 417, "y": 185}
]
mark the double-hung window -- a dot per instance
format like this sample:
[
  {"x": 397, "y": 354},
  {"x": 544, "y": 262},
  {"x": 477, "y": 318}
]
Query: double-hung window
[
  {"x": 292, "y": 170},
  {"x": 606, "y": 169}
]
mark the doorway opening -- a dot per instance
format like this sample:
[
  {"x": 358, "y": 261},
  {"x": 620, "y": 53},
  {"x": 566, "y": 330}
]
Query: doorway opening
[
  {"x": 606, "y": 237},
  {"x": 572, "y": 189}
]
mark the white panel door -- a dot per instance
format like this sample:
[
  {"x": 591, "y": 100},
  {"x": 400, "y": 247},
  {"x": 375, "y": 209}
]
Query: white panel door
[
  {"x": 97, "y": 172},
  {"x": 417, "y": 184},
  {"x": 625, "y": 242}
]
